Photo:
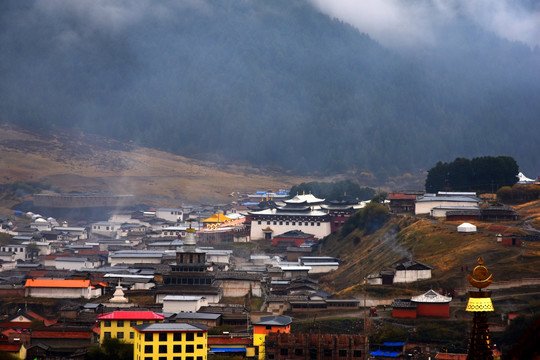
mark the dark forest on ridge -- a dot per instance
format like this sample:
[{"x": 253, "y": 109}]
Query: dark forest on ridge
[{"x": 274, "y": 84}]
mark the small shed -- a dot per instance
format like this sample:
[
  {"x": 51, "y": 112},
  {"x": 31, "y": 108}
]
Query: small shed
[
  {"x": 509, "y": 239},
  {"x": 466, "y": 228}
]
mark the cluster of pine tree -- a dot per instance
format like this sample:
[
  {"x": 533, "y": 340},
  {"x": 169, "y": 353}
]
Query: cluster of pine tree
[
  {"x": 481, "y": 174},
  {"x": 518, "y": 193}
]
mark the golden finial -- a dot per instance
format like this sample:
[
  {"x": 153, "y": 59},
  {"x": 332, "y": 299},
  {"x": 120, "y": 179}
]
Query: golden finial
[{"x": 482, "y": 278}]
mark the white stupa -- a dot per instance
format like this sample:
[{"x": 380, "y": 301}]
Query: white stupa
[{"x": 119, "y": 296}]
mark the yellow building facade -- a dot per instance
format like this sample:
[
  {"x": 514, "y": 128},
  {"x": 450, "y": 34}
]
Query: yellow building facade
[
  {"x": 120, "y": 324},
  {"x": 268, "y": 324},
  {"x": 170, "y": 341}
]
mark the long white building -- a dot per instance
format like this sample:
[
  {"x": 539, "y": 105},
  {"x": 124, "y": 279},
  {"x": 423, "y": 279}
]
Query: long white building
[{"x": 425, "y": 204}]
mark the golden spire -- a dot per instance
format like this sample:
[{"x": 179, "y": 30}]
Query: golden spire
[
  {"x": 481, "y": 278},
  {"x": 480, "y": 346},
  {"x": 480, "y": 300}
]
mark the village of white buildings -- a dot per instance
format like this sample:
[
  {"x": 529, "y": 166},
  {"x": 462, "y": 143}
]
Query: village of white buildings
[{"x": 190, "y": 262}]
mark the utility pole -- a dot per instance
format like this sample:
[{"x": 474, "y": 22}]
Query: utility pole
[{"x": 365, "y": 320}]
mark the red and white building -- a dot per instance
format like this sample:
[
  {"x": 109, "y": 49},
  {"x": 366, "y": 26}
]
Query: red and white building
[
  {"x": 429, "y": 304},
  {"x": 432, "y": 304},
  {"x": 303, "y": 212}
]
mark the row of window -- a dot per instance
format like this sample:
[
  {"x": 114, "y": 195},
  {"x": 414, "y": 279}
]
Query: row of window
[
  {"x": 119, "y": 335},
  {"x": 189, "y": 268},
  {"x": 173, "y": 233},
  {"x": 106, "y": 227},
  {"x": 174, "y": 358},
  {"x": 12, "y": 249},
  {"x": 176, "y": 349},
  {"x": 121, "y": 323},
  {"x": 188, "y": 281},
  {"x": 176, "y": 336},
  {"x": 293, "y": 223}
]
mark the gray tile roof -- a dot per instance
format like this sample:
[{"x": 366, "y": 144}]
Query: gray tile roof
[
  {"x": 170, "y": 327},
  {"x": 280, "y": 320},
  {"x": 198, "y": 316}
]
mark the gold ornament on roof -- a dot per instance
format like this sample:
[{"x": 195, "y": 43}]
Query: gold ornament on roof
[{"x": 480, "y": 278}]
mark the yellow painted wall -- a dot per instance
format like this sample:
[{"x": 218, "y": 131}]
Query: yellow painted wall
[
  {"x": 124, "y": 328},
  {"x": 199, "y": 343},
  {"x": 22, "y": 352},
  {"x": 258, "y": 340}
]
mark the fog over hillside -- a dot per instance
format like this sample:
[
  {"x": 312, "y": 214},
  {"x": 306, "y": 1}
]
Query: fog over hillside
[
  {"x": 420, "y": 23},
  {"x": 390, "y": 86}
]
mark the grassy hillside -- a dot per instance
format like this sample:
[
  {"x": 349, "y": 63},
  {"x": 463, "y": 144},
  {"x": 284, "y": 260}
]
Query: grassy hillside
[
  {"x": 73, "y": 161},
  {"x": 434, "y": 243}
]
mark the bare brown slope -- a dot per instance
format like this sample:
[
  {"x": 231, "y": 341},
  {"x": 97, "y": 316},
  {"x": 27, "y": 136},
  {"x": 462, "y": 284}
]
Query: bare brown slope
[
  {"x": 361, "y": 255},
  {"x": 80, "y": 162},
  {"x": 434, "y": 243}
]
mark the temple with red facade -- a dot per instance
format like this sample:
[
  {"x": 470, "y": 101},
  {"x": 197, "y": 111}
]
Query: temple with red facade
[{"x": 430, "y": 304}]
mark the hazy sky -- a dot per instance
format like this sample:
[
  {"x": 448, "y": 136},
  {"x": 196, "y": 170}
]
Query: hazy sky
[
  {"x": 101, "y": 64},
  {"x": 406, "y": 23},
  {"x": 394, "y": 23}
]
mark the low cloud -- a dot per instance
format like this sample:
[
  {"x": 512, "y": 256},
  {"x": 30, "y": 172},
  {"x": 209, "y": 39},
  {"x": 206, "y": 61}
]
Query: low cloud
[
  {"x": 404, "y": 24},
  {"x": 116, "y": 16}
]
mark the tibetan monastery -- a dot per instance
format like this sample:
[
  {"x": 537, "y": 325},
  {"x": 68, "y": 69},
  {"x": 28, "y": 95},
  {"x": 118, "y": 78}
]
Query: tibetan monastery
[{"x": 303, "y": 212}]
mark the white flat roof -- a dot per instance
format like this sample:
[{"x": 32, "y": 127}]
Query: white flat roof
[
  {"x": 321, "y": 263},
  {"x": 128, "y": 276},
  {"x": 294, "y": 268},
  {"x": 183, "y": 298}
]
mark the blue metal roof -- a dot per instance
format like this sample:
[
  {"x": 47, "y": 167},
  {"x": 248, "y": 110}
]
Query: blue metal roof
[
  {"x": 235, "y": 349},
  {"x": 391, "y": 354},
  {"x": 399, "y": 343}
]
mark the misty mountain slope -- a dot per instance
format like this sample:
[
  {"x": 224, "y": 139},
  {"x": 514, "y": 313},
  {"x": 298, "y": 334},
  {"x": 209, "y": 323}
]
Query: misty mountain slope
[
  {"x": 271, "y": 83},
  {"x": 68, "y": 161},
  {"x": 436, "y": 244}
]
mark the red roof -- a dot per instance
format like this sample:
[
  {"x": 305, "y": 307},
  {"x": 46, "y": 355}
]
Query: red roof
[
  {"x": 66, "y": 253},
  {"x": 36, "y": 334},
  {"x": 92, "y": 252},
  {"x": 10, "y": 347},
  {"x": 16, "y": 324},
  {"x": 37, "y": 273},
  {"x": 131, "y": 315},
  {"x": 8, "y": 331},
  {"x": 228, "y": 341},
  {"x": 36, "y": 316},
  {"x": 450, "y": 356},
  {"x": 57, "y": 283},
  {"x": 398, "y": 196}
]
